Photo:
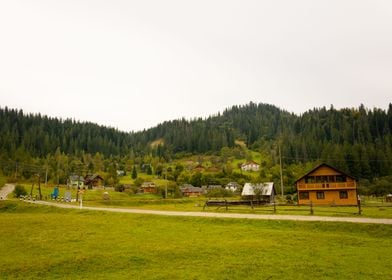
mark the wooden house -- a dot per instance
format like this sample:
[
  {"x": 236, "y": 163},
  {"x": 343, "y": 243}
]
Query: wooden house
[
  {"x": 191, "y": 191},
  {"x": 148, "y": 187},
  {"x": 264, "y": 192},
  {"x": 250, "y": 166},
  {"x": 325, "y": 185},
  {"x": 199, "y": 168},
  {"x": 93, "y": 181}
]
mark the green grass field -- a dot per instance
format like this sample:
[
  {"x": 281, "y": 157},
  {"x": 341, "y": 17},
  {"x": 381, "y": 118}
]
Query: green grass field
[{"x": 39, "y": 242}]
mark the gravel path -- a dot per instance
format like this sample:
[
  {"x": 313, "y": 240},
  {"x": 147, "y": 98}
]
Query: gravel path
[
  {"x": 6, "y": 190},
  {"x": 223, "y": 215}
]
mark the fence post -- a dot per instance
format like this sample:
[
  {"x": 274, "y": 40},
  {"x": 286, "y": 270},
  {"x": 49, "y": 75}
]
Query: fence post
[
  {"x": 359, "y": 205},
  {"x": 274, "y": 207},
  {"x": 311, "y": 208}
]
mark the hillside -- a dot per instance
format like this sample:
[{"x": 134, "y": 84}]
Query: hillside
[{"x": 358, "y": 140}]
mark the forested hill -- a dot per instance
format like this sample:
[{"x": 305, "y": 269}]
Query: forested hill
[{"x": 358, "y": 140}]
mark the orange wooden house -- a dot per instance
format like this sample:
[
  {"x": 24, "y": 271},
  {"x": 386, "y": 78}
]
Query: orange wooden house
[{"x": 325, "y": 185}]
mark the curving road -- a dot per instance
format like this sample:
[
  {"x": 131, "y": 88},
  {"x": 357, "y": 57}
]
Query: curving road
[{"x": 6, "y": 190}]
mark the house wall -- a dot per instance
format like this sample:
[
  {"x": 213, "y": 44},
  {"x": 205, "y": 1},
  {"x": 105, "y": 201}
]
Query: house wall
[
  {"x": 149, "y": 190},
  {"x": 330, "y": 188},
  {"x": 331, "y": 197}
]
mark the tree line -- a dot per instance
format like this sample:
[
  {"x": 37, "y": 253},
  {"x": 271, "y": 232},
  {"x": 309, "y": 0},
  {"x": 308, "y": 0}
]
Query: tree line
[{"x": 356, "y": 140}]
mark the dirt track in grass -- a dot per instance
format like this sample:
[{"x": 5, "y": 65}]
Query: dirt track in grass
[{"x": 222, "y": 215}]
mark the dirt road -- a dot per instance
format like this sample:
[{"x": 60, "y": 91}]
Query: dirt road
[
  {"x": 223, "y": 215},
  {"x": 6, "y": 190}
]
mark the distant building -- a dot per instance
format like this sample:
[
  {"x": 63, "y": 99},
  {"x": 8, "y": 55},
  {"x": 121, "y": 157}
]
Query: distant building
[
  {"x": 120, "y": 173},
  {"x": 93, "y": 181},
  {"x": 262, "y": 192},
  {"x": 199, "y": 168},
  {"x": 148, "y": 187},
  {"x": 191, "y": 191},
  {"x": 250, "y": 166},
  {"x": 75, "y": 181},
  {"x": 233, "y": 186},
  {"x": 326, "y": 185}
]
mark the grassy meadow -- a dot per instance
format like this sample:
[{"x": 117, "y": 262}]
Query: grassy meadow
[{"x": 40, "y": 242}]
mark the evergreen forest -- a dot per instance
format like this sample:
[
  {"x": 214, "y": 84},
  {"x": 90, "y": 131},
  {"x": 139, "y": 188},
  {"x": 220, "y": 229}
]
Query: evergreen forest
[{"x": 355, "y": 140}]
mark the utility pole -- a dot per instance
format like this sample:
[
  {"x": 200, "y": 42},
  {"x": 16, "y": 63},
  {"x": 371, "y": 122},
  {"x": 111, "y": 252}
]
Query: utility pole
[
  {"x": 46, "y": 176},
  {"x": 16, "y": 170},
  {"x": 281, "y": 171}
]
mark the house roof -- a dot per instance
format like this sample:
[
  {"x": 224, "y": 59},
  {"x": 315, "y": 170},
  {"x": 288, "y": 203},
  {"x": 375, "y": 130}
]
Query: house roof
[
  {"x": 148, "y": 185},
  {"x": 265, "y": 189},
  {"x": 190, "y": 188},
  {"x": 249, "y": 162},
  {"x": 232, "y": 184},
  {"x": 327, "y": 165},
  {"x": 94, "y": 176},
  {"x": 76, "y": 178}
]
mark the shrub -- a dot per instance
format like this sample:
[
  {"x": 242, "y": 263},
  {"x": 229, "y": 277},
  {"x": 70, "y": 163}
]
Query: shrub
[
  {"x": 19, "y": 190},
  {"x": 119, "y": 188}
]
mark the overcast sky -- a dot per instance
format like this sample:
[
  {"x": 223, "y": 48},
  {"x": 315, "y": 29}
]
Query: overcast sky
[{"x": 134, "y": 64}]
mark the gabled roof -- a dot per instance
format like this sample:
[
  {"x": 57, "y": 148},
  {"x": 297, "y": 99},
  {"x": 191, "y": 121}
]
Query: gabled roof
[
  {"x": 148, "y": 185},
  {"x": 76, "y": 178},
  {"x": 190, "y": 188},
  {"x": 327, "y": 165},
  {"x": 90, "y": 178},
  {"x": 265, "y": 189},
  {"x": 249, "y": 162}
]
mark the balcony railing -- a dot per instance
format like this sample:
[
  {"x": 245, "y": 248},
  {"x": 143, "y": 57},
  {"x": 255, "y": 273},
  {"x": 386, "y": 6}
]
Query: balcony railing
[{"x": 323, "y": 186}]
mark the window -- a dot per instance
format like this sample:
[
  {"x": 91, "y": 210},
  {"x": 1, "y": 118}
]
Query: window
[
  {"x": 304, "y": 195},
  {"x": 320, "y": 195},
  {"x": 340, "y": 178},
  {"x": 343, "y": 194},
  {"x": 310, "y": 179}
]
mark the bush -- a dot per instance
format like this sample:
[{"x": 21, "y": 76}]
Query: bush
[
  {"x": 219, "y": 192},
  {"x": 119, "y": 188},
  {"x": 19, "y": 190}
]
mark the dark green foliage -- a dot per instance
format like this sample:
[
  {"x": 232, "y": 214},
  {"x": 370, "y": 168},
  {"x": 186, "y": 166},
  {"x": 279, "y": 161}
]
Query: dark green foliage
[
  {"x": 119, "y": 188},
  {"x": 134, "y": 173},
  {"x": 19, "y": 191},
  {"x": 358, "y": 141},
  {"x": 219, "y": 192}
]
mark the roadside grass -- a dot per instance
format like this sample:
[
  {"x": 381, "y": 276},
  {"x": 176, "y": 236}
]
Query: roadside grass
[
  {"x": 40, "y": 242},
  {"x": 2, "y": 181}
]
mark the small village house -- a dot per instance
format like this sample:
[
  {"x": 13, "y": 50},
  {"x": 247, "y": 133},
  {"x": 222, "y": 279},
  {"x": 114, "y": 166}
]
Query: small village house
[
  {"x": 199, "y": 168},
  {"x": 93, "y": 181},
  {"x": 75, "y": 181},
  {"x": 233, "y": 186},
  {"x": 264, "y": 192},
  {"x": 325, "y": 185},
  {"x": 191, "y": 191},
  {"x": 250, "y": 166},
  {"x": 148, "y": 187},
  {"x": 120, "y": 173}
]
